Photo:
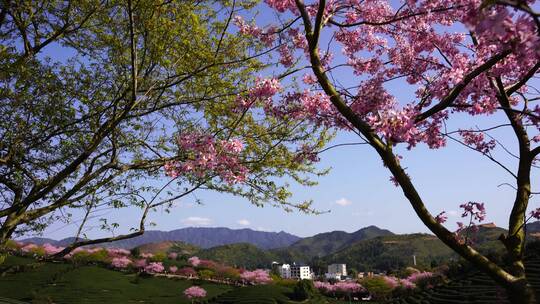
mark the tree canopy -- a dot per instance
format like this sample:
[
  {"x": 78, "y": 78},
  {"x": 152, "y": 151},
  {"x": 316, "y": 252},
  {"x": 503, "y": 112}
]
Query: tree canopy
[{"x": 101, "y": 99}]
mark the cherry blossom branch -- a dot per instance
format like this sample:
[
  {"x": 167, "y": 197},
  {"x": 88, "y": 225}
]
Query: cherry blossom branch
[
  {"x": 456, "y": 90},
  {"x": 342, "y": 145},
  {"x": 393, "y": 19}
]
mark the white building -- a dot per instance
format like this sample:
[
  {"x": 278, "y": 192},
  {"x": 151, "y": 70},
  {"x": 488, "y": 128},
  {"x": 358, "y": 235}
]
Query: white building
[
  {"x": 301, "y": 272},
  {"x": 284, "y": 270},
  {"x": 287, "y": 271},
  {"x": 336, "y": 271}
]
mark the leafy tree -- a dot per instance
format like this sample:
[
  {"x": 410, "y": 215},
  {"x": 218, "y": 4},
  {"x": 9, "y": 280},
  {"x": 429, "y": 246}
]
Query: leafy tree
[
  {"x": 488, "y": 68},
  {"x": 377, "y": 287},
  {"x": 304, "y": 290},
  {"x": 94, "y": 94}
]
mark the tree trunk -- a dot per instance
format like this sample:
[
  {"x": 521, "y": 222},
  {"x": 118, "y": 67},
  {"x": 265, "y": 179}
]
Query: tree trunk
[{"x": 521, "y": 292}]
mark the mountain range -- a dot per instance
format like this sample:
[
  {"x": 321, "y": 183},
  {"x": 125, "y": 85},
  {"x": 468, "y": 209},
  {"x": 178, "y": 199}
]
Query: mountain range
[
  {"x": 367, "y": 249},
  {"x": 203, "y": 237}
]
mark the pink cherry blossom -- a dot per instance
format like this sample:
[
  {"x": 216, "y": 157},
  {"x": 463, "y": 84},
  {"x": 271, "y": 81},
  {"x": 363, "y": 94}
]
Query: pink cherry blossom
[
  {"x": 154, "y": 267},
  {"x": 257, "y": 276},
  {"x": 535, "y": 213},
  {"x": 173, "y": 269},
  {"x": 475, "y": 210},
  {"x": 194, "y": 261},
  {"x": 121, "y": 262},
  {"x": 207, "y": 156},
  {"x": 441, "y": 217},
  {"x": 419, "y": 276},
  {"x": 50, "y": 249},
  {"x": 195, "y": 292},
  {"x": 115, "y": 252},
  {"x": 141, "y": 263}
]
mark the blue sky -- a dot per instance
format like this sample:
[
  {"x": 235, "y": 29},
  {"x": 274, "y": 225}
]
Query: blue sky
[{"x": 357, "y": 191}]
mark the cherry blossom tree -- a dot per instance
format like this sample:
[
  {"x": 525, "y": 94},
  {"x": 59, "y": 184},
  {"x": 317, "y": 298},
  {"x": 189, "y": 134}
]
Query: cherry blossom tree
[
  {"x": 468, "y": 58},
  {"x": 195, "y": 292},
  {"x": 257, "y": 276}
]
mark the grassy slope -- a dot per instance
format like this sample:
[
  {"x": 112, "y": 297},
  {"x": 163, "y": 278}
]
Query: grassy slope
[
  {"x": 476, "y": 288},
  {"x": 267, "y": 294},
  {"x": 63, "y": 283}
]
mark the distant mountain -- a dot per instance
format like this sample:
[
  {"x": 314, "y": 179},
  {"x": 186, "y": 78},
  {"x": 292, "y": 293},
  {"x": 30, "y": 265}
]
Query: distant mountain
[
  {"x": 533, "y": 227},
  {"x": 203, "y": 237},
  {"x": 168, "y": 246},
  {"x": 397, "y": 251},
  {"x": 239, "y": 255},
  {"x": 391, "y": 252},
  {"x": 323, "y": 244}
]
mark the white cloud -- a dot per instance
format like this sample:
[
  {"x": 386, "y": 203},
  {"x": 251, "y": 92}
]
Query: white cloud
[
  {"x": 453, "y": 213},
  {"x": 243, "y": 222},
  {"x": 196, "y": 221},
  {"x": 343, "y": 202}
]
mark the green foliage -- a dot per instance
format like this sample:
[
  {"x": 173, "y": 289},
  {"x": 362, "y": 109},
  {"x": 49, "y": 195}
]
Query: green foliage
[
  {"x": 65, "y": 284},
  {"x": 289, "y": 283},
  {"x": 240, "y": 255},
  {"x": 377, "y": 287},
  {"x": 392, "y": 252},
  {"x": 326, "y": 243},
  {"x": 304, "y": 290},
  {"x": 158, "y": 257},
  {"x": 84, "y": 257},
  {"x": 11, "y": 245},
  {"x": 206, "y": 274},
  {"x": 74, "y": 126}
]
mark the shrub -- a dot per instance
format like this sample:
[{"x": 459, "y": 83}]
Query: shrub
[
  {"x": 304, "y": 290},
  {"x": 206, "y": 274},
  {"x": 378, "y": 287}
]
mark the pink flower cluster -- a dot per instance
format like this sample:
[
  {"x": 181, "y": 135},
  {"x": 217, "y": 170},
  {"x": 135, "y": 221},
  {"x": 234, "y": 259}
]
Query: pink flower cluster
[
  {"x": 394, "y": 282},
  {"x": 206, "y": 156},
  {"x": 154, "y": 267},
  {"x": 341, "y": 287},
  {"x": 267, "y": 36},
  {"x": 121, "y": 262},
  {"x": 477, "y": 141},
  {"x": 140, "y": 263},
  {"x": 118, "y": 252},
  {"x": 535, "y": 213},
  {"x": 51, "y": 249},
  {"x": 475, "y": 210},
  {"x": 29, "y": 247},
  {"x": 419, "y": 276},
  {"x": 194, "y": 261},
  {"x": 257, "y": 276},
  {"x": 195, "y": 292},
  {"x": 441, "y": 217}
]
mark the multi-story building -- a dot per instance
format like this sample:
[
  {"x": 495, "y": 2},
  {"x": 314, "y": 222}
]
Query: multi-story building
[
  {"x": 287, "y": 271},
  {"x": 336, "y": 271},
  {"x": 301, "y": 272},
  {"x": 284, "y": 270},
  {"x": 340, "y": 269}
]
